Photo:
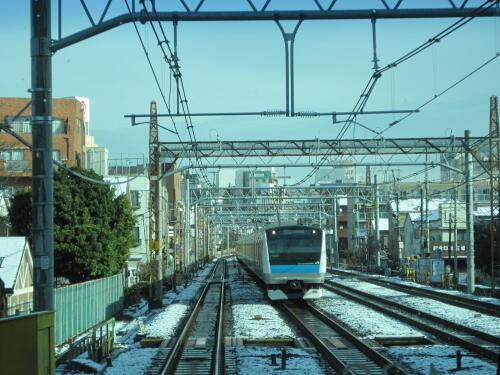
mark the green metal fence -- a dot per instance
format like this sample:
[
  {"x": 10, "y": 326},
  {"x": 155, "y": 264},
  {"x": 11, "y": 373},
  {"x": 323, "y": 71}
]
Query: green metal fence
[{"x": 82, "y": 306}]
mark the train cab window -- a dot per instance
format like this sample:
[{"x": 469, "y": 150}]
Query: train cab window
[{"x": 294, "y": 245}]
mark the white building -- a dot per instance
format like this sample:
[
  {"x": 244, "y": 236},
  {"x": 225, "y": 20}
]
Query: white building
[
  {"x": 16, "y": 273},
  {"x": 335, "y": 175},
  {"x": 226, "y": 178},
  {"x": 97, "y": 159},
  {"x": 440, "y": 233},
  {"x": 137, "y": 189}
]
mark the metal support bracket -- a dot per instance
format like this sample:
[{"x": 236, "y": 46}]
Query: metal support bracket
[
  {"x": 289, "y": 40},
  {"x": 374, "y": 40}
]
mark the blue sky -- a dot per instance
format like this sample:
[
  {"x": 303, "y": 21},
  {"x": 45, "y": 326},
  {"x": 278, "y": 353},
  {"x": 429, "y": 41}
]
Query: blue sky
[{"x": 240, "y": 67}]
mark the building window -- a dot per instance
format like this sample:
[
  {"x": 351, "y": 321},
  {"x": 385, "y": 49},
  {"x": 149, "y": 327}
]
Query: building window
[
  {"x": 56, "y": 155},
  {"x": 135, "y": 198},
  {"x": 22, "y": 125},
  {"x": 12, "y": 154},
  {"x": 137, "y": 236}
]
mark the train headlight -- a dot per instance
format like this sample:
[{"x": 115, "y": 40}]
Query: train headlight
[
  {"x": 314, "y": 231},
  {"x": 273, "y": 232}
]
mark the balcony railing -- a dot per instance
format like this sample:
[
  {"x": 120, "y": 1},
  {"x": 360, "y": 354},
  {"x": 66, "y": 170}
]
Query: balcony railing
[{"x": 15, "y": 166}]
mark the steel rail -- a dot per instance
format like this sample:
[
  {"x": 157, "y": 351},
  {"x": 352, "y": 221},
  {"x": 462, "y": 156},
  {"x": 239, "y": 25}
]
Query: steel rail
[
  {"x": 335, "y": 362},
  {"x": 459, "y": 301},
  {"x": 176, "y": 352},
  {"x": 218, "y": 361},
  {"x": 371, "y": 353},
  {"x": 352, "y": 365},
  {"x": 378, "y": 303}
]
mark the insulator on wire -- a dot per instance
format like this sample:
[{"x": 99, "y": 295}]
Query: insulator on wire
[
  {"x": 272, "y": 113},
  {"x": 306, "y": 114}
]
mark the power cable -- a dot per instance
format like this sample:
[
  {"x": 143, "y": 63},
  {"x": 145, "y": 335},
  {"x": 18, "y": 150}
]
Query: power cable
[
  {"x": 61, "y": 165},
  {"x": 368, "y": 90},
  {"x": 151, "y": 66},
  {"x": 171, "y": 60},
  {"x": 490, "y": 60}
]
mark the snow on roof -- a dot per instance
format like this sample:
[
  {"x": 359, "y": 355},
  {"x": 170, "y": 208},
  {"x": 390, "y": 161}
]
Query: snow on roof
[
  {"x": 413, "y": 204},
  {"x": 11, "y": 249},
  {"x": 485, "y": 211},
  {"x": 433, "y": 215},
  {"x": 121, "y": 187}
]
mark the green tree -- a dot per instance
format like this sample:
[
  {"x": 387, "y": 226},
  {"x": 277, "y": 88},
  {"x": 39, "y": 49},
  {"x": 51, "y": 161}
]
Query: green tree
[{"x": 92, "y": 228}]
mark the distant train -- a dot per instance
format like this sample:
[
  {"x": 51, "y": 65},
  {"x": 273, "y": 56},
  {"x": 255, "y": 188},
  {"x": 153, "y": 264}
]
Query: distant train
[{"x": 289, "y": 260}]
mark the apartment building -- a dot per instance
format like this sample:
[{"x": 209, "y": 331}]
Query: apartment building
[{"x": 68, "y": 127}]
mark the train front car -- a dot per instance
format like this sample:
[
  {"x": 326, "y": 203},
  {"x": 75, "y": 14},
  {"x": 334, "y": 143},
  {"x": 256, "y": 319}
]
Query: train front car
[{"x": 297, "y": 262}]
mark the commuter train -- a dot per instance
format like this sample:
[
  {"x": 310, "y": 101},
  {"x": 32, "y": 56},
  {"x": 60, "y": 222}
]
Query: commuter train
[{"x": 290, "y": 260}]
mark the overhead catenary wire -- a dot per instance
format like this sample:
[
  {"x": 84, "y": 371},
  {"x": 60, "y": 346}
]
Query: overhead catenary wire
[
  {"x": 153, "y": 72},
  {"x": 151, "y": 65},
  {"x": 368, "y": 89},
  {"x": 456, "y": 83},
  {"x": 171, "y": 60}
]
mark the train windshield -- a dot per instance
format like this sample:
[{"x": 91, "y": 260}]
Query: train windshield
[{"x": 294, "y": 245}]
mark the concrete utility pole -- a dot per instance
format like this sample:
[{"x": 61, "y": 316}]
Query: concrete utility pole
[
  {"x": 494, "y": 144},
  {"x": 205, "y": 239},
  {"x": 335, "y": 233},
  {"x": 352, "y": 219},
  {"x": 455, "y": 256},
  {"x": 427, "y": 226},
  {"x": 469, "y": 212},
  {"x": 369, "y": 235},
  {"x": 377, "y": 214},
  {"x": 400, "y": 255},
  {"x": 449, "y": 237},
  {"x": 162, "y": 219},
  {"x": 196, "y": 235},
  {"x": 42, "y": 181},
  {"x": 422, "y": 233},
  {"x": 187, "y": 228}
]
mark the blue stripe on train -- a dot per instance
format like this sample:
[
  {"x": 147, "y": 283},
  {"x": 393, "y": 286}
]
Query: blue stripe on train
[{"x": 295, "y": 268}]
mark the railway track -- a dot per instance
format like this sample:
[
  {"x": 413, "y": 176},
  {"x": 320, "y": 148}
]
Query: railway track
[
  {"x": 344, "y": 352},
  {"x": 198, "y": 348},
  {"x": 483, "y": 344},
  {"x": 459, "y": 301}
]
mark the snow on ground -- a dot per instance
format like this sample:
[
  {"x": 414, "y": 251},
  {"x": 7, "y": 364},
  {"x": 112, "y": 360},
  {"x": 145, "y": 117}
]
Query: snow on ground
[
  {"x": 257, "y": 360},
  {"x": 167, "y": 320},
  {"x": 466, "y": 317},
  {"x": 89, "y": 364},
  {"x": 441, "y": 358},
  {"x": 271, "y": 325},
  {"x": 492, "y": 300},
  {"x": 253, "y": 315},
  {"x": 367, "y": 322},
  {"x": 132, "y": 362},
  {"x": 163, "y": 325},
  {"x": 397, "y": 280}
]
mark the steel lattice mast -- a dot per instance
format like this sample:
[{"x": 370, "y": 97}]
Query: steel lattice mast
[{"x": 155, "y": 246}]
